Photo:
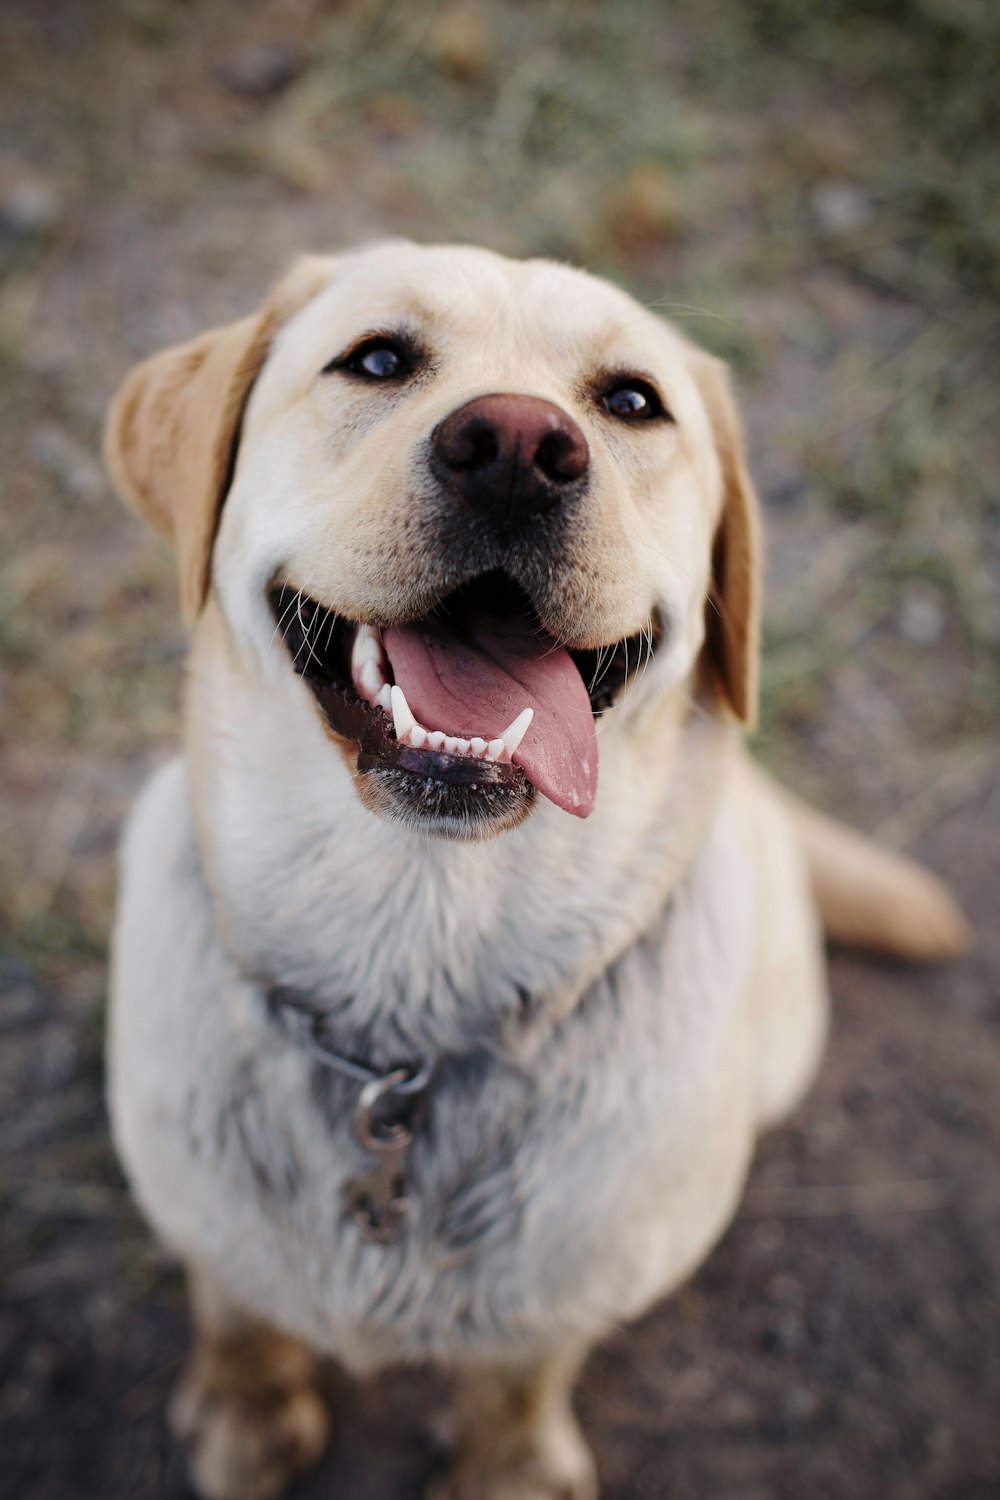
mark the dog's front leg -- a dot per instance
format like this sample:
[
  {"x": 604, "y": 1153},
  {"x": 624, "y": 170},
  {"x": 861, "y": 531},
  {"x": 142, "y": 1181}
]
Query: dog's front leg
[
  {"x": 247, "y": 1410},
  {"x": 517, "y": 1436}
]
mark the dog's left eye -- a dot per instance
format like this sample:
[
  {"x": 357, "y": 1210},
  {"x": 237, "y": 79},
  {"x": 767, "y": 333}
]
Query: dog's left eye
[
  {"x": 633, "y": 401},
  {"x": 375, "y": 359}
]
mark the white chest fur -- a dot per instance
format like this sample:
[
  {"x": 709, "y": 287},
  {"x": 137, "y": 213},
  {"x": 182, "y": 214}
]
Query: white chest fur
[{"x": 566, "y": 1177}]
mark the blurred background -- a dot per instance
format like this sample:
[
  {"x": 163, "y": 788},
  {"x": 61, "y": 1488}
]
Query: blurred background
[{"x": 812, "y": 192}]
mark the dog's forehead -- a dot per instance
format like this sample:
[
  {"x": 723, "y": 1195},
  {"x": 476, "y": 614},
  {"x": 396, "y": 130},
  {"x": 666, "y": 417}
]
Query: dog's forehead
[{"x": 461, "y": 295}]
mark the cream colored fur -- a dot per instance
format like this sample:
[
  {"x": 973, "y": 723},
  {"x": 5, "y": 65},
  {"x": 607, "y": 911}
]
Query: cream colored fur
[{"x": 669, "y": 943}]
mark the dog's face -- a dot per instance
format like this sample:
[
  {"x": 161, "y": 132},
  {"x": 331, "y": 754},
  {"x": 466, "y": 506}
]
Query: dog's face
[{"x": 481, "y": 501}]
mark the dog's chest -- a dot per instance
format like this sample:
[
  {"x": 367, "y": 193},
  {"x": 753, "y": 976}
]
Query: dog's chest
[{"x": 549, "y": 1193}]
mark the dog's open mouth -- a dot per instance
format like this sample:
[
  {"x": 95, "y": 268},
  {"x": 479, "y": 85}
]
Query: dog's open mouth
[{"x": 475, "y": 695}]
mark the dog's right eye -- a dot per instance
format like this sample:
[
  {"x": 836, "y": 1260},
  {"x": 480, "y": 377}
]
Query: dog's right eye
[{"x": 375, "y": 359}]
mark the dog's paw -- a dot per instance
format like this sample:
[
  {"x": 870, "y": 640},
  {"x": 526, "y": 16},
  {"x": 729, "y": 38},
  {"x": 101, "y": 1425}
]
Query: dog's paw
[
  {"x": 559, "y": 1468},
  {"x": 243, "y": 1445}
]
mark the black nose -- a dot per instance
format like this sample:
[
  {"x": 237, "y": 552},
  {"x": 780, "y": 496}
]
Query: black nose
[{"x": 511, "y": 457}]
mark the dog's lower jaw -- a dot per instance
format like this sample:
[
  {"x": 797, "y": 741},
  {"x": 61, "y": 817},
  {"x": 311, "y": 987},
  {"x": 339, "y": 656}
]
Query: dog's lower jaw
[{"x": 432, "y": 807}]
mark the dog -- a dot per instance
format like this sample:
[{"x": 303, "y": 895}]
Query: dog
[{"x": 463, "y": 953}]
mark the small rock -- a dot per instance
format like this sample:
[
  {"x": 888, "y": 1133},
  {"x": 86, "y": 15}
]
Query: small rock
[
  {"x": 694, "y": 1384},
  {"x": 59, "y": 453},
  {"x": 460, "y": 41},
  {"x": 260, "y": 70},
  {"x": 653, "y": 1479},
  {"x": 840, "y": 207},
  {"x": 161, "y": 134},
  {"x": 921, "y": 616},
  {"x": 782, "y": 1334},
  {"x": 394, "y": 115},
  {"x": 799, "y": 1405},
  {"x": 737, "y": 1409},
  {"x": 22, "y": 1005},
  {"x": 56, "y": 1060},
  {"x": 941, "y": 1439},
  {"x": 30, "y": 207},
  {"x": 643, "y": 211}
]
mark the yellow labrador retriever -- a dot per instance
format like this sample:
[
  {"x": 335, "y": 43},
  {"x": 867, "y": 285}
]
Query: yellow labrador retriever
[{"x": 462, "y": 955}]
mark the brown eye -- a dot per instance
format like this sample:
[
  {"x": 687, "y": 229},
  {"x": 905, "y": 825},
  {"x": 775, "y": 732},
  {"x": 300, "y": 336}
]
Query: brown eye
[
  {"x": 375, "y": 359},
  {"x": 633, "y": 401}
]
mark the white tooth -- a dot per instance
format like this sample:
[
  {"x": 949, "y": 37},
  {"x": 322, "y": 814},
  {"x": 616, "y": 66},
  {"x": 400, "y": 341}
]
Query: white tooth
[
  {"x": 514, "y": 733},
  {"x": 435, "y": 739},
  {"x": 365, "y": 646},
  {"x": 371, "y": 678},
  {"x": 495, "y": 749},
  {"x": 418, "y": 735},
  {"x": 403, "y": 721},
  {"x": 452, "y": 745},
  {"x": 478, "y": 747},
  {"x": 383, "y": 698}
]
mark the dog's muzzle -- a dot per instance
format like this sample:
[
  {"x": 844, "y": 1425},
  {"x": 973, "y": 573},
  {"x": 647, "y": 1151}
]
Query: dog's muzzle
[{"x": 510, "y": 458}]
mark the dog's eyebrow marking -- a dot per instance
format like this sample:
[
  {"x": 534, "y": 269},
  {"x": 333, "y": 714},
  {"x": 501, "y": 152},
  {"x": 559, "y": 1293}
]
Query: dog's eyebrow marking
[{"x": 416, "y": 311}]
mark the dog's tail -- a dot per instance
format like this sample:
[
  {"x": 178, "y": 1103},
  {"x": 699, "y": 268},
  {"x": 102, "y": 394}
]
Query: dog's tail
[{"x": 870, "y": 897}]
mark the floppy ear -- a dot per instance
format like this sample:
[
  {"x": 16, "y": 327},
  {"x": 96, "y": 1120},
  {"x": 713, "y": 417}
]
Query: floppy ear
[
  {"x": 733, "y": 623},
  {"x": 173, "y": 426}
]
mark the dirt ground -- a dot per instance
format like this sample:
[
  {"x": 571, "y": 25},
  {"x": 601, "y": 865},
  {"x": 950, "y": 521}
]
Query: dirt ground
[{"x": 159, "y": 163}]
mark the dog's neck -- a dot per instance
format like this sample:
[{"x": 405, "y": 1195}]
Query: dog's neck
[{"x": 429, "y": 944}]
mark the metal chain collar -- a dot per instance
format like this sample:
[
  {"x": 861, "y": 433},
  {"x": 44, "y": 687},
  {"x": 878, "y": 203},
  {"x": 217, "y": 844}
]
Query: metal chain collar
[{"x": 390, "y": 1110}]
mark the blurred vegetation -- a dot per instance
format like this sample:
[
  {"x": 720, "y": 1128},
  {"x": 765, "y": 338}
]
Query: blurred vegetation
[
  {"x": 936, "y": 63},
  {"x": 812, "y": 192}
]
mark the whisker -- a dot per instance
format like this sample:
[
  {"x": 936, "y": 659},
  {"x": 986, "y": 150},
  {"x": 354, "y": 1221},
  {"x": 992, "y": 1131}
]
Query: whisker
[
  {"x": 608, "y": 663},
  {"x": 305, "y": 633},
  {"x": 329, "y": 634},
  {"x": 597, "y": 668},
  {"x": 280, "y": 625}
]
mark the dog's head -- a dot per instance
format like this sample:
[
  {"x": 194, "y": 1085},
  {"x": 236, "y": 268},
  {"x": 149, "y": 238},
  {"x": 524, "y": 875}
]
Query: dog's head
[{"x": 481, "y": 501}]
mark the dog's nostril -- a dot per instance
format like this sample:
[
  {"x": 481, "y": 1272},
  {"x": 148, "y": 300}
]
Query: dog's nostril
[
  {"x": 472, "y": 446},
  {"x": 563, "y": 455}
]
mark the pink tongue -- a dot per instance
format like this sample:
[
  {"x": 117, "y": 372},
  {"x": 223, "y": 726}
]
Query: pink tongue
[{"x": 476, "y": 681}]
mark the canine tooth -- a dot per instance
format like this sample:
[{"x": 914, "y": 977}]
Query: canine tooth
[
  {"x": 478, "y": 747},
  {"x": 418, "y": 735},
  {"x": 371, "y": 678},
  {"x": 365, "y": 648},
  {"x": 383, "y": 698},
  {"x": 435, "y": 739},
  {"x": 495, "y": 749},
  {"x": 403, "y": 721},
  {"x": 514, "y": 733}
]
